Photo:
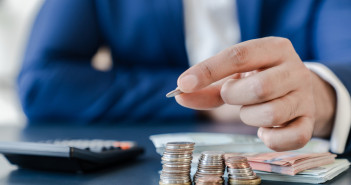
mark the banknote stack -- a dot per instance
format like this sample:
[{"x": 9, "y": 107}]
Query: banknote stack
[
  {"x": 176, "y": 161},
  {"x": 289, "y": 163},
  {"x": 210, "y": 168},
  {"x": 316, "y": 175},
  {"x": 240, "y": 171}
]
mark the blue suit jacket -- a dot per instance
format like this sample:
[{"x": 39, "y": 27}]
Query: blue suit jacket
[{"x": 146, "y": 38}]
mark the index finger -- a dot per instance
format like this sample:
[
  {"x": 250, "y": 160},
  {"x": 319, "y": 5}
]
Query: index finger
[{"x": 243, "y": 57}]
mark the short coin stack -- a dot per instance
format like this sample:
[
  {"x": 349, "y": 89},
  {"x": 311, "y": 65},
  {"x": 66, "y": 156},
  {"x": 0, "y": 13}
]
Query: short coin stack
[
  {"x": 240, "y": 171},
  {"x": 210, "y": 169},
  {"x": 176, "y": 162}
]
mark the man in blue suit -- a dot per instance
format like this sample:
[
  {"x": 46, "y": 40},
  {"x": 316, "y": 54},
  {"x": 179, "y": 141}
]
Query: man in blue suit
[{"x": 152, "y": 43}]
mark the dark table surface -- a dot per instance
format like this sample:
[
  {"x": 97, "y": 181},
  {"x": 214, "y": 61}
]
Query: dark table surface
[{"x": 143, "y": 171}]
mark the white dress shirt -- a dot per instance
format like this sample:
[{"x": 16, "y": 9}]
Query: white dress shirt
[{"x": 211, "y": 26}]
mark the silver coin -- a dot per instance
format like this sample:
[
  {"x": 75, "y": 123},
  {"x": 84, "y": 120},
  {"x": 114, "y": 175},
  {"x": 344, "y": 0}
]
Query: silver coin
[
  {"x": 175, "y": 160},
  {"x": 174, "y": 176},
  {"x": 211, "y": 168},
  {"x": 180, "y": 145},
  {"x": 172, "y": 165},
  {"x": 176, "y": 157},
  {"x": 174, "y": 181},
  {"x": 169, "y": 171},
  {"x": 210, "y": 172},
  {"x": 179, "y": 150},
  {"x": 217, "y": 157},
  {"x": 175, "y": 163},
  {"x": 180, "y": 154},
  {"x": 213, "y": 153},
  {"x": 211, "y": 163},
  {"x": 173, "y": 93}
]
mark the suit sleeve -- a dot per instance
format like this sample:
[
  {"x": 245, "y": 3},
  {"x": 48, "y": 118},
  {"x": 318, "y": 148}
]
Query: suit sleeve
[
  {"x": 58, "y": 84},
  {"x": 332, "y": 47}
]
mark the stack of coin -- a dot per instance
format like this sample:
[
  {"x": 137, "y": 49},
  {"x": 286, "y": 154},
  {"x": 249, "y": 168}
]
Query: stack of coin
[
  {"x": 240, "y": 171},
  {"x": 176, "y": 162},
  {"x": 210, "y": 169}
]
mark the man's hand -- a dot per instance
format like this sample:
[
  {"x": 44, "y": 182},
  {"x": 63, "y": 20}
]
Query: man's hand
[{"x": 281, "y": 96}]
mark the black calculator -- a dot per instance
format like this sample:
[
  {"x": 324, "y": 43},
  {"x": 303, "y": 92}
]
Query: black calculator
[{"x": 70, "y": 155}]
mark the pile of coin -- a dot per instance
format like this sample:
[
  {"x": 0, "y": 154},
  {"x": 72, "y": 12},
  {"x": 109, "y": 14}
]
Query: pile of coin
[
  {"x": 240, "y": 171},
  {"x": 210, "y": 169},
  {"x": 176, "y": 162}
]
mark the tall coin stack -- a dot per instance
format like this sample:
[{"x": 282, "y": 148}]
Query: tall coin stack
[
  {"x": 240, "y": 171},
  {"x": 210, "y": 169},
  {"x": 176, "y": 162}
]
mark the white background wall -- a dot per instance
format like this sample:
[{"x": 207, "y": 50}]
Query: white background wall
[{"x": 16, "y": 17}]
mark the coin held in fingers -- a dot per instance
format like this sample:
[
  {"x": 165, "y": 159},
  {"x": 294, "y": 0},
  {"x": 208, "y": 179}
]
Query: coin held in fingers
[{"x": 174, "y": 93}]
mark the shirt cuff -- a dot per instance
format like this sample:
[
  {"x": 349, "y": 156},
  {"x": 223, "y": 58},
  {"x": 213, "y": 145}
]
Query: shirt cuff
[{"x": 342, "y": 121}]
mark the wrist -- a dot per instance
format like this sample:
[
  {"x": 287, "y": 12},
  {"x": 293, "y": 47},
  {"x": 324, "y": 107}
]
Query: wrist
[{"x": 325, "y": 104}]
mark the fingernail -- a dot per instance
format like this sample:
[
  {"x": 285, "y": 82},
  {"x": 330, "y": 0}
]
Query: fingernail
[
  {"x": 259, "y": 133},
  {"x": 188, "y": 83}
]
